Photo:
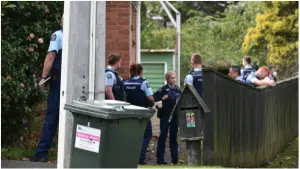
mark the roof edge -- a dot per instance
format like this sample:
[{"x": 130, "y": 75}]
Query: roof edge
[{"x": 157, "y": 50}]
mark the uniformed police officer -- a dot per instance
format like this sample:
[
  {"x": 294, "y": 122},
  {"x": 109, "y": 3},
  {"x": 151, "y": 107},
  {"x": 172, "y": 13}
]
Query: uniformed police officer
[
  {"x": 114, "y": 87},
  {"x": 168, "y": 94},
  {"x": 247, "y": 69},
  {"x": 52, "y": 65},
  {"x": 139, "y": 93},
  {"x": 195, "y": 77},
  {"x": 258, "y": 78},
  {"x": 235, "y": 73}
]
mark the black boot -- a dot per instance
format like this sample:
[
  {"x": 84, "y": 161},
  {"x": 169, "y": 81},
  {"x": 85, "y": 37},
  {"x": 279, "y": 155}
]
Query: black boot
[
  {"x": 162, "y": 162},
  {"x": 38, "y": 159},
  {"x": 142, "y": 163}
]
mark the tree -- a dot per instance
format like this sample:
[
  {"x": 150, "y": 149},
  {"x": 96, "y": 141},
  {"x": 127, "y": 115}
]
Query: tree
[
  {"x": 274, "y": 39},
  {"x": 187, "y": 9},
  {"x": 218, "y": 40}
]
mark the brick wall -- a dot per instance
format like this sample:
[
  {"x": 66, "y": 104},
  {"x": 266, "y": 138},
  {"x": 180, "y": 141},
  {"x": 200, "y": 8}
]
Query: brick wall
[{"x": 119, "y": 34}]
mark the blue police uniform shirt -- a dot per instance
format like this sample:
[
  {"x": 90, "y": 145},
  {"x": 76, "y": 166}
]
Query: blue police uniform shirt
[
  {"x": 244, "y": 68},
  {"x": 197, "y": 76},
  {"x": 173, "y": 93},
  {"x": 167, "y": 90},
  {"x": 189, "y": 78},
  {"x": 145, "y": 87},
  {"x": 137, "y": 91},
  {"x": 240, "y": 78},
  {"x": 251, "y": 78},
  {"x": 110, "y": 77},
  {"x": 56, "y": 41}
]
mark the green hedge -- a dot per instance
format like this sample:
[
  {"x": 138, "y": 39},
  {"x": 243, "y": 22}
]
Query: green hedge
[{"x": 26, "y": 30}]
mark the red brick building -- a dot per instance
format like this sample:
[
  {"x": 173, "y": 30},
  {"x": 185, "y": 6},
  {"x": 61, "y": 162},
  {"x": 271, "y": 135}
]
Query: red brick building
[{"x": 121, "y": 32}]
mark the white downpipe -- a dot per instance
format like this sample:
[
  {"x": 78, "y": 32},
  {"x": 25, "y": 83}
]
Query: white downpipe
[
  {"x": 178, "y": 47},
  {"x": 64, "y": 84},
  {"x": 92, "y": 57},
  {"x": 138, "y": 33}
]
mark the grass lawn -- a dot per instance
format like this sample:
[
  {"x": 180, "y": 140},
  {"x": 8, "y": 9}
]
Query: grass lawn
[
  {"x": 177, "y": 166},
  {"x": 288, "y": 158},
  {"x": 18, "y": 153}
]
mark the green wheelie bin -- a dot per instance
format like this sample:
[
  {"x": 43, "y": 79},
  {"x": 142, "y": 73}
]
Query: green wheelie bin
[{"x": 107, "y": 133}]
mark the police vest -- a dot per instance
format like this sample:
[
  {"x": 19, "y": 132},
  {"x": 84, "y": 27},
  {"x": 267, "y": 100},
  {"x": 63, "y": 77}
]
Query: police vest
[
  {"x": 134, "y": 94},
  {"x": 118, "y": 88},
  {"x": 56, "y": 67},
  {"x": 197, "y": 81},
  {"x": 168, "y": 104},
  {"x": 246, "y": 72}
]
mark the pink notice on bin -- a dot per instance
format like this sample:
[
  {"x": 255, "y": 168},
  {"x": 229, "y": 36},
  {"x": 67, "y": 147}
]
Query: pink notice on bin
[{"x": 87, "y": 136}]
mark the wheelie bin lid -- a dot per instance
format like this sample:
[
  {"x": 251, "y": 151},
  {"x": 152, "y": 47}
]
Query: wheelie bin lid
[{"x": 108, "y": 109}]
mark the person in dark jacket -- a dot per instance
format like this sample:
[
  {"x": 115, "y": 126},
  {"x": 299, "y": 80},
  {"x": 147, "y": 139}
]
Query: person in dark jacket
[
  {"x": 168, "y": 94},
  {"x": 139, "y": 93}
]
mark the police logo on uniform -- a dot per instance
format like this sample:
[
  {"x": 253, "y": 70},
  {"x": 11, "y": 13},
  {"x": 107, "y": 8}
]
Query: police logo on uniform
[
  {"x": 53, "y": 37},
  {"x": 109, "y": 76},
  {"x": 147, "y": 85}
]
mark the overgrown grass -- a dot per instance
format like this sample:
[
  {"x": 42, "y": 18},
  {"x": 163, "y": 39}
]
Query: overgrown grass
[
  {"x": 288, "y": 158},
  {"x": 26, "y": 146},
  {"x": 19, "y": 153}
]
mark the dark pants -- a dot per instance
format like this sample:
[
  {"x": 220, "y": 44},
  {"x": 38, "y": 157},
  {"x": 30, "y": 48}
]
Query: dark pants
[
  {"x": 161, "y": 145},
  {"x": 51, "y": 119},
  {"x": 146, "y": 140}
]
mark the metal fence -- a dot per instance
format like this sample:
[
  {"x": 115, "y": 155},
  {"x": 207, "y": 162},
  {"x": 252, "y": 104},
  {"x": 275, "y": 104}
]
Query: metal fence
[{"x": 247, "y": 126}]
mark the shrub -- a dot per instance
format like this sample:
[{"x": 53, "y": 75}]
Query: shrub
[
  {"x": 26, "y": 30},
  {"x": 274, "y": 39}
]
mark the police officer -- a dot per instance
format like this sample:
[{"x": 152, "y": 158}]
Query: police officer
[
  {"x": 139, "y": 93},
  {"x": 52, "y": 65},
  {"x": 235, "y": 73},
  {"x": 247, "y": 69},
  {"x": 114, "y": 87},
  {"x": 195, "y": 77},
  {"x": 168, "y": 94},
  {"x": 258, "y": 78}
]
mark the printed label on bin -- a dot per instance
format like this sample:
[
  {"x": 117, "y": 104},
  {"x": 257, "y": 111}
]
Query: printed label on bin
[{"x": 87, "y": 138}]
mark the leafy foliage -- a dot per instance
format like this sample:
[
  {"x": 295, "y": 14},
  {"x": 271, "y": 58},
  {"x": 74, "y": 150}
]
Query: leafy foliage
[
  {"x": 187, "y": 9},
  {"x": 26, "y": 29},
  {"x": 218, "y": 40},
  {"x": 274, "y": 40}
]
